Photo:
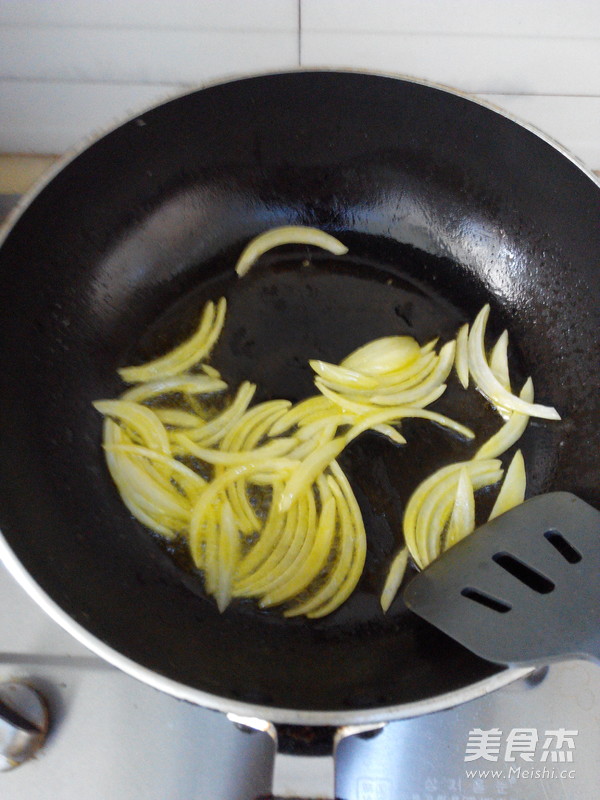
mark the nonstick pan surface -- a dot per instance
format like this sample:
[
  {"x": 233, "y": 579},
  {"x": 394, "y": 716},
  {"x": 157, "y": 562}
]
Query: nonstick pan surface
[{"x": 444, "y": 204}]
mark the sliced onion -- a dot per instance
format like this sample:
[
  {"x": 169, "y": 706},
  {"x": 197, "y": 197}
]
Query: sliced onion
[
  {"x": 279, "y": 544},
  {"x": 511, "y": 431},
  {"x": 185, "y": 383},
  {"x": 462, "y": 519},
  {"x": 381, "y": 356},
  {"x": 342, "y": 376},
  {"x": 257, "y": 576},
  {"x": 499, "y": 361},
  {"x": 244, "y": 435},
  {"x": 399, "y": 412},
  {"x": 150, "y": 494},
  {"x": 344, "y": 555},
  {"x": 298, "y": 412},
  {"x": 267, "y": 540},
  {"x": 194, "y": 482},
  {"x": 211, "y": 371},
  {"x": 422, "y": 502},
  {"x": 416, "y": 395},
  {"x": 309, "y": 469},
  {"x": 513, "y": 488},
  {"x": 315, "y": 559},
  {"x": 214, "y": 431},
  {"x": 411, "y": 376},
  {"x": 277, "y": 447},
  {"x": 287, "y": 234},
  {"x": 390, "y": 433},
  {"x": 228, "y": 556},
  {"x": 140, "y": 419},
  {"x": 190, "y": 352},
  {"x": 486, "y": 381},
  {"x": 331, "y": 420},
  {"x": 323, "y": 436},
  {"x": 394, "y": 579},
  {"x": 209, "y": 549},
  {"x": 353, "y": 574},
  {"x": 437, "y": 508},
  {"x": 177, "y": 418},
  {"x": 461, "y": 358},
  {"x": 200, "y": 510}
]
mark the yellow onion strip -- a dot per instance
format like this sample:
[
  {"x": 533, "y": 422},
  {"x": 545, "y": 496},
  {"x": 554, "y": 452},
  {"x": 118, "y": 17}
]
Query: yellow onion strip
[
  {"x": 344, "y": 551},
  {"x": 309, "y": 469},
  {"x": 273, "y": 586},
  {"x": 178, "y": 418},
  {"x": 513, "y": 487},
  {"x": 228, "y": 556},
  {"x": 185, "y": 384},
  {"x": 335, "y": 375},
  {"x": 351, "y": 518},
  {"x": 211, "y": 371},
  {"x": 157, "y": 505},
  {"x": 269, "y": 536},
  {"x": 200, "y": 520},
  {"x": 437, "y": 508},
  {"x": 349, "y": 553},
  {"x": 462, "y": 519},
  {"x": 287, "y": 234},
  {"x": 419, "y": 394},
  {"x": 511, "y": 431},
  {"x": 486, "y": 381},
  {"x": 394, "y": 579},
  {"x": 319, "y": 459},
  {"x": 277, "y": 547},
  {"x": 422, "y": 517},
  {"x": 250, "y": 429},
  {"x": 314, "y": 560},
  {"x": 139, "y": 419},
  {"x": 144, "y": 488},
  {"x": 212, "y": 432},
  {"x": 499, "y": 360},
  {"x": 390, "y": 433},
  {"x": 409, "y": 377},
  {"x": 461, "y": 358},
  {"x": 299, "y": 412},
  {"x": 188, "y": 353},
  {"x": 189, "y": 481},
  {"x": 325, "y": 435},
  {"x": 275, "y": 536},
  {"x": 397, "y": 412},
  {"x": 381, "y": 356},
  {"x": 277, "y": 447}
]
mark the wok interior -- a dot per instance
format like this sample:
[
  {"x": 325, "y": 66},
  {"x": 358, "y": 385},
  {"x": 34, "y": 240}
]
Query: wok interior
[{"x": 444, "y": 205}]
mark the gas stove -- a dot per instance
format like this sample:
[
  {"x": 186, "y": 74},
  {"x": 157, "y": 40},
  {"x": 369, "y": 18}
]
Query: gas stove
[{"x": 112, "y": 736}]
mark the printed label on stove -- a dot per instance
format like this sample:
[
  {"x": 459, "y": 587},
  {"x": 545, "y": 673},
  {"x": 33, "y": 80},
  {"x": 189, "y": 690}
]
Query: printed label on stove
[{"x": 542, "y": 753}]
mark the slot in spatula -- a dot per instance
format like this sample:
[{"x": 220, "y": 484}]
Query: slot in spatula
[{"x": 523, "y": 589}]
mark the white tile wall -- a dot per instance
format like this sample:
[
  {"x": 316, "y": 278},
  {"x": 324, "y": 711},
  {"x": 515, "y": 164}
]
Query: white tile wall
[
  {"x": 68, "y": 67},
  {"x": 72, "y": 67},
  {"x": 539, "y": 59}
]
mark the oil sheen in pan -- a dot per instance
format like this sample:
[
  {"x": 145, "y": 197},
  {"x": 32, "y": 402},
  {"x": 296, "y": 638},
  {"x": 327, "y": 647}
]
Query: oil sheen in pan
[{"x": 296, "y": 305}]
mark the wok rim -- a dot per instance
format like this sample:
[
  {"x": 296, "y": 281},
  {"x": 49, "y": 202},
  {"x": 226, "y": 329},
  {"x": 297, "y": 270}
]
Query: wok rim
[{"x": 208, "y": 700}]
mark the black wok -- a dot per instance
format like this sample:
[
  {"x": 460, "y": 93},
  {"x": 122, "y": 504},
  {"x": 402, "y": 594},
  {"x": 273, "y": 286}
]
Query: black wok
[{"x": 444, "y": 204}]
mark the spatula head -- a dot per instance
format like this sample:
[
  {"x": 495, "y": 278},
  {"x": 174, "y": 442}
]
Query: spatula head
[{"x": 524, "y": 589}]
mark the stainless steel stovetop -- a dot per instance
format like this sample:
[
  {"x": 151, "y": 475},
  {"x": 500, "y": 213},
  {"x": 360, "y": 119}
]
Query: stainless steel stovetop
[{"x": 113, "y": 737}]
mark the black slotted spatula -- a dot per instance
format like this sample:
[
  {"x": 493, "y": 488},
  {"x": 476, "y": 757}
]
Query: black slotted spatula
[{"x": 523, "y": 589}]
